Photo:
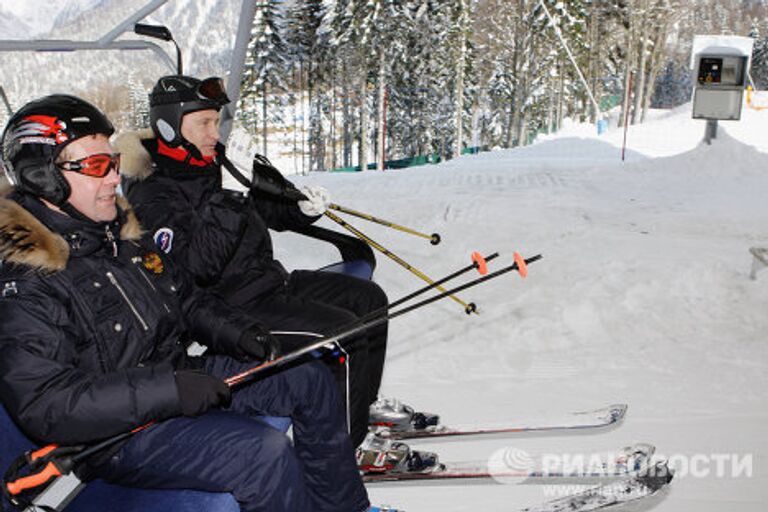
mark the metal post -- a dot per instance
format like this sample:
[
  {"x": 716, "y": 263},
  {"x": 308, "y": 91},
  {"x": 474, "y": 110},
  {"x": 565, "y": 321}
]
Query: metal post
[
  {"x": 626, "y": 114},
  {"x": 247, "y": 13},
  {"x": 711, "y": 131}
]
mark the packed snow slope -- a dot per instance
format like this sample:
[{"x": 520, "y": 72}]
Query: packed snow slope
[{"x": 643, "y": 296}]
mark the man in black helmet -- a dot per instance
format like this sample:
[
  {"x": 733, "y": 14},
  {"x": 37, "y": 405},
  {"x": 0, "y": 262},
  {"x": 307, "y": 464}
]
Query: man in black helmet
[
  {"x": 93, "y": 329},
  {"x": 173, "y": 178}
]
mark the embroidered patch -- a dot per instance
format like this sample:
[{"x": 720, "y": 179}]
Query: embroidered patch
[
  {"x": 153, "y": 262},
  {"x": 164, "y": 239}
]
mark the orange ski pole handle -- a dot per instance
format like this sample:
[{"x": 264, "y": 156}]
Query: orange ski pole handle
[
  {"x": 42, "y": 452},
  {"x": 480, "y": 263},
  {"x": 522, "y": 266},
  {"x": 50, "y": 472}
]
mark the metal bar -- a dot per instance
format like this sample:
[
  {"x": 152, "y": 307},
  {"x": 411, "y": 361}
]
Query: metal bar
[
  {"x": 127, "y": 24},
  {"x": 63, "y": 45},
  {"x": 247, "y": 13}
]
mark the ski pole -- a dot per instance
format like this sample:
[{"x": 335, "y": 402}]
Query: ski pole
[
  {"x": 434, "y": 238},
  {"x": 479, "y": 262},
  {"x": 468, "y": 308},
  {"x": 520, "y": 265}
]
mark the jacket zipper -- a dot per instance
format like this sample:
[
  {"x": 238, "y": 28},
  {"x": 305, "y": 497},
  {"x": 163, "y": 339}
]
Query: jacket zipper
[
  {"x": 154, "y": 289},
  {"x": 111, "y": 239},
  {"x": 120, "y": 289}
]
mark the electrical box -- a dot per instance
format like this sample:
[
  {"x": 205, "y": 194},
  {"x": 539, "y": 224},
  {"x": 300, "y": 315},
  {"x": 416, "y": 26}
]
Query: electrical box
[{"x": 720, "y": 65}]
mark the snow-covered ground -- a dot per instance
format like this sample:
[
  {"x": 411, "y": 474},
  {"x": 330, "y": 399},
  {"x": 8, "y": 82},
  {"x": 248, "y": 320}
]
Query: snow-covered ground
[{"x": 643, "y": 296}]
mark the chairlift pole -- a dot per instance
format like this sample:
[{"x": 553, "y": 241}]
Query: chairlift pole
[{"x": 247, "y": 14}]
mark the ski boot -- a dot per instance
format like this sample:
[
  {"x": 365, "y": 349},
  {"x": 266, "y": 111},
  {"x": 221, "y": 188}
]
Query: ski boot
[
  {"x": 389, "y": 414},
  {"x": 379, "y": 455}
]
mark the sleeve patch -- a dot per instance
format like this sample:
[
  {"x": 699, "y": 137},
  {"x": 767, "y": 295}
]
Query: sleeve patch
[{"x": 164, "y": 239}]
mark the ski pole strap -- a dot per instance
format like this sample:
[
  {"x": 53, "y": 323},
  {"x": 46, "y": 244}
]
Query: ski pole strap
[{"x": 261, "y": 184}]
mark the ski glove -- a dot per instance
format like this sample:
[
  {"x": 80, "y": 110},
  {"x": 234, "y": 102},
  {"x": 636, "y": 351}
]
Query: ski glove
[
  {"x": 199, "y": 391},
  {"x": 258, "y": 345},
  {"x": 317, "y": 201}
]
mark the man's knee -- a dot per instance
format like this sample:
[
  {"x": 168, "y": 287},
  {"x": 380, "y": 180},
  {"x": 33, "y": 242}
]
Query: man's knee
[{"x": 314, "y": 381}]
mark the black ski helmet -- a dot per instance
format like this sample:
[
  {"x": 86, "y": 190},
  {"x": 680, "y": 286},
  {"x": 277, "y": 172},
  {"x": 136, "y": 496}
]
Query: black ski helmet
[
  {"x": 35, "y": 136},
  {"x": 176, "y": 95}
]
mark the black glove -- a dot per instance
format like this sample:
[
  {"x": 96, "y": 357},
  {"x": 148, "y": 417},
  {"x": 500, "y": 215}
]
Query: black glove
[
  {"x": 259, "y": 345},
  {"x": 199, "y": 391}
]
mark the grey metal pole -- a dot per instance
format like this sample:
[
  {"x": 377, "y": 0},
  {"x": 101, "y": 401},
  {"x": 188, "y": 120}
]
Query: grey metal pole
[
  {"x": 247, "y": 13},
  {"x": 711, "y": 131}
]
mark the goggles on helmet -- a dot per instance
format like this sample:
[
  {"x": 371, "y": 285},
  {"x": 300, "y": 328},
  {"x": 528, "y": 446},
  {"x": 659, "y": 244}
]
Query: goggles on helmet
[
  {"x": 213, "y": 89},
  {"x": 209, "y": 90},
  {"x": 95, "y": 166}
]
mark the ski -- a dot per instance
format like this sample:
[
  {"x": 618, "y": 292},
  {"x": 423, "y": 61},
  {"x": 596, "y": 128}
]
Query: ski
[
  {"x": 646, "y": 483},
  {"x": 394, "y": 462},
  {"x": 583, "y": 420}
]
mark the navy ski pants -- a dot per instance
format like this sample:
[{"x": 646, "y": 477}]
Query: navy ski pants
[{"x": 232, "y": 451}]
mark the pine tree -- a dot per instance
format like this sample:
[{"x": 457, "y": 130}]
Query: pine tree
[
  {"x": 308, "y": 48},
  {"x": 263, "y": 77},
  {"x": 759, "y": 69}
]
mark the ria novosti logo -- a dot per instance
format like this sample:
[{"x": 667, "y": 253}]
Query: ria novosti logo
[{"x": 511, "y": 465}]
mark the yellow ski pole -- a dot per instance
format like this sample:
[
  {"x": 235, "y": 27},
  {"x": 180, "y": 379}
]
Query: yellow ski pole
[
  {"x": 434, "y": 238},
  {"x": 468, "y": 308}
]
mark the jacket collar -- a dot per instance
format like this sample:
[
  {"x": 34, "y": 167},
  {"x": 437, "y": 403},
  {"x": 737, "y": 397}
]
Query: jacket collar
[
  {"x": 33, "y": 235},
  {"x": 140, "y": 158}
]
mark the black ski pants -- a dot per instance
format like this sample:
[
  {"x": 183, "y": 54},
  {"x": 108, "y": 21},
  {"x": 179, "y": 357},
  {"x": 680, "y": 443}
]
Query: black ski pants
[
  {"x": 322, "y": 303},
  {"x": 232, "y": 451}
]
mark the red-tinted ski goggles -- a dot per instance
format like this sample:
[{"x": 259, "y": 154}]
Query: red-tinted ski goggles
[{"x": 96, "y": 166}]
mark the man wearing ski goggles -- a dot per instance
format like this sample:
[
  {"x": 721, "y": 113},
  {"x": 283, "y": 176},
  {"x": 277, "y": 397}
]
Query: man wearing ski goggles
[
  {"x": 210, "y": 89},
  {"x": 95, "y": 166}
]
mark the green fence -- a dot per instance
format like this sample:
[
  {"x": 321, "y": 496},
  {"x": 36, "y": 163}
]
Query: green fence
[{"x": 413, "y": 161}]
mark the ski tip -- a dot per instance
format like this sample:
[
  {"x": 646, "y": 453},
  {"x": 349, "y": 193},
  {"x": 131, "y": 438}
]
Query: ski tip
[
  {"x": 480, "y": 263},
  {"x": 657, "y": 476},
  {"x": 618, "y": 411},
  {"x": 522, "y": 266}
]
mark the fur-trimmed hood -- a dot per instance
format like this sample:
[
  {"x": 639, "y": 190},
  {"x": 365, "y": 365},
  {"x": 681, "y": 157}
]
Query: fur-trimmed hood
[
  {"x": 24, "y": 240},
  {"x": 135, "y": 160}
]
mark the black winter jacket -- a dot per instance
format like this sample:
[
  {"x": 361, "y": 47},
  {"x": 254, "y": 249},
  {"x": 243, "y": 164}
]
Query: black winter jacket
[
  {"x": 93, "y": 323},
  {"x": 220, "y": 236}
]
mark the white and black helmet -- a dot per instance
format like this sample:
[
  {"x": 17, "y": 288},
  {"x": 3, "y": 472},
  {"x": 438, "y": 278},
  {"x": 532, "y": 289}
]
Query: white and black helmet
[
  {"x": 176, "y": 95},
  {"x": 35, "y": 136}
]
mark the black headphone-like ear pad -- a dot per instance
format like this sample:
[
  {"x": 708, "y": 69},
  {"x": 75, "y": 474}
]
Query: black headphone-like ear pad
[{"x": 40, "y": 177}]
